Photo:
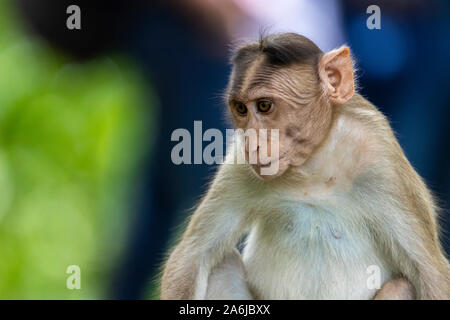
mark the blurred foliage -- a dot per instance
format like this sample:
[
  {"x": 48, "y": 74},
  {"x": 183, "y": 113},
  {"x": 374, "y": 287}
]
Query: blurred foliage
[{"x": 71, "y": 136}]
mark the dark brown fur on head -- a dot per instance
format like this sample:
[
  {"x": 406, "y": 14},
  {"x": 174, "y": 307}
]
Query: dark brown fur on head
[{"x": 279, "y": 50}]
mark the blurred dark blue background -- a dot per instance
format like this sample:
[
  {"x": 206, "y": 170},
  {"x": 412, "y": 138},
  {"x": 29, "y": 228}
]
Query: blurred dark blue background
[{"x": 182, "y": 49}]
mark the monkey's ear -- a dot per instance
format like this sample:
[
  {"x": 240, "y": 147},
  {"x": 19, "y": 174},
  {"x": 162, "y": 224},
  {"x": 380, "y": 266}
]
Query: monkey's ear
[{"x": 336, "y": 74}]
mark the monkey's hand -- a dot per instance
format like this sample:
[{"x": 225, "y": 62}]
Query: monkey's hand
[
  {"x": 228, "y": 280},
  {"x": 212, "y": 234},
  {"x": 396, "y": 289}
]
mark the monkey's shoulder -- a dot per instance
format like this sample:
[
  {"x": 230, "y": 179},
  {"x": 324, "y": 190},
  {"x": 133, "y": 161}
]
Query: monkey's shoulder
[{"x": 360, "y": 141}]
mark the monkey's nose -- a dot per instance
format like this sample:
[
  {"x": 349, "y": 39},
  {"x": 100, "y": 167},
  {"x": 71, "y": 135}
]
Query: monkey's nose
[
  {"x": 251, "y": 147},
  {"x": 254, "y": 152}
]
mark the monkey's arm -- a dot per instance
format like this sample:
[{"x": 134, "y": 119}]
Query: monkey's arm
[
  {"x": 419, "y": 255},
  {"x": 421, "y": 260},
  {"x": 212, "y": 233},
  {"x": 405, "y": 227}
]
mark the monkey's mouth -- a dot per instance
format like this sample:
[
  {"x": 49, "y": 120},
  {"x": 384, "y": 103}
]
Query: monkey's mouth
[
  {"x": 272, "y": 161},
  {"x": 267, "y": 163},
  {"x": 269, "y": 170}
]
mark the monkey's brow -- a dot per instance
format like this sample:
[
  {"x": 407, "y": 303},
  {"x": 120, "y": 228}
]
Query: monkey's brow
[
  {"x": 261, "y": 85},
  {"x": 251, "y": 93}
]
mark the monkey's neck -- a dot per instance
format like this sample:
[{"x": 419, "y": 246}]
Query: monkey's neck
[{"x": 346, "y": 149}]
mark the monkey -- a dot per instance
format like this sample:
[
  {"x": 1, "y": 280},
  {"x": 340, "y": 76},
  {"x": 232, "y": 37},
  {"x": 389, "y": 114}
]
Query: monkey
[{"x": 344, "y": 197}]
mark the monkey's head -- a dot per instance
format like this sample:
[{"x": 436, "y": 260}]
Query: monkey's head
[{"x": 286, "y": 82}]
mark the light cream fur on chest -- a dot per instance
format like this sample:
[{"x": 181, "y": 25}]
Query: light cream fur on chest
[{"x": 310, "y": 252}]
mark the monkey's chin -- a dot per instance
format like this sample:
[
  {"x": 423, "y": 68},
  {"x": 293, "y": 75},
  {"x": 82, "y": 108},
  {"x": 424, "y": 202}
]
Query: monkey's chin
[{"x": 266, "y": 173}]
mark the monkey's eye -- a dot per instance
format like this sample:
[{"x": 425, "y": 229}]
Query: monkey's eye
[
  {"x": 264, "y": 105},
  {"x": 240, "y": 108}
]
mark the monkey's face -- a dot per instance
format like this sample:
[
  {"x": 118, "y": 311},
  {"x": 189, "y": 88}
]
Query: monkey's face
[
  {"x": 286, "y": 114},
  {"x": 288, "y": 86}
]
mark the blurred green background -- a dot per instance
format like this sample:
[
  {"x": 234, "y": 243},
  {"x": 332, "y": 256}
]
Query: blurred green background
[
  {"x": 79, "y": 184},
  {"x": 71, "y": 139}
]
